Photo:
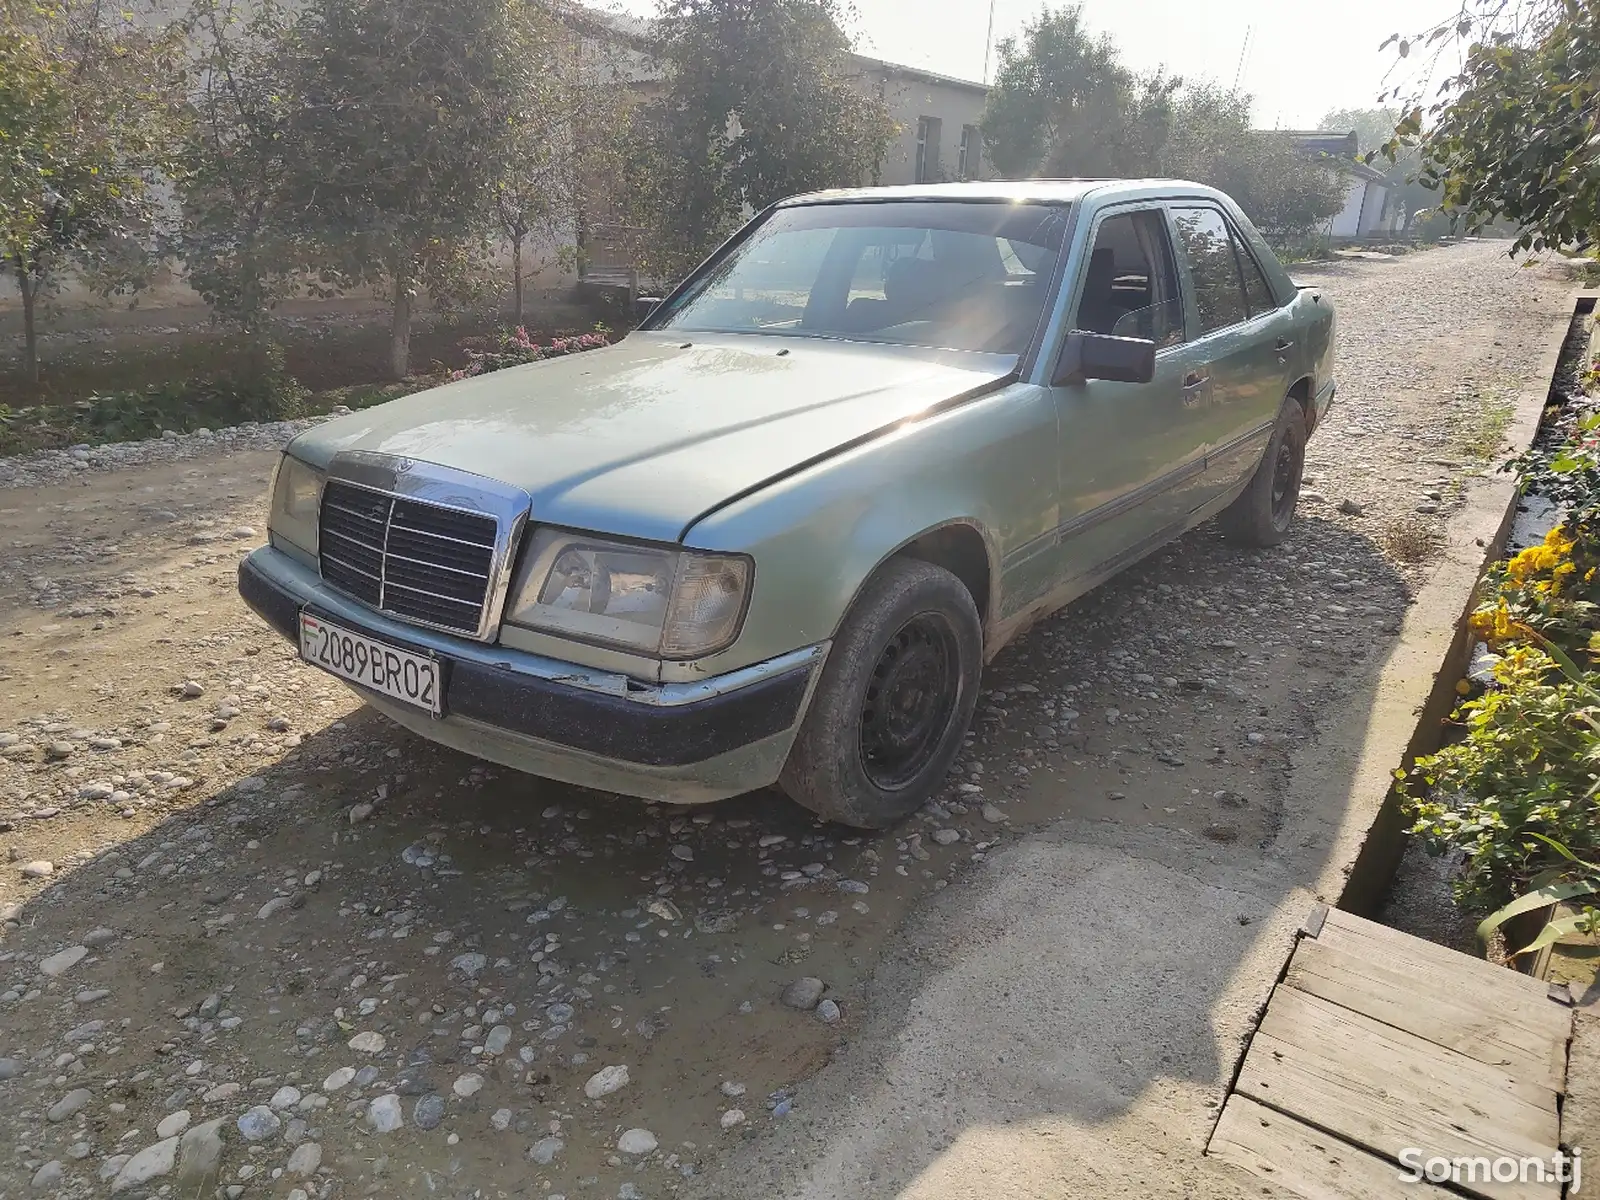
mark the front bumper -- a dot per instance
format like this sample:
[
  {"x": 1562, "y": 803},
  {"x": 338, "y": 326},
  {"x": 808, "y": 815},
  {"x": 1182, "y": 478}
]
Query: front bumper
[{"x": 679, "y": 743}]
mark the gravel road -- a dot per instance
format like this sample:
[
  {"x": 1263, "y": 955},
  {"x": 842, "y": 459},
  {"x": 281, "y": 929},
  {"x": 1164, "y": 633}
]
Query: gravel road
[{"x": 257, "y": 939}]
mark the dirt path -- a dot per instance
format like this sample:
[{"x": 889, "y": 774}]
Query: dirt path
[{"x": 297, "y": 917}]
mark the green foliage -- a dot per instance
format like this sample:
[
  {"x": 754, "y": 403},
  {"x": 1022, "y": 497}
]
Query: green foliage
[
  {"x": 1513, "y": 138},
  {"x": 260, "y": 388},
  {"x": 1063, "y": 103},
  {"x": 1527, "y": 767},
  {"x": 237, "y": 239},
  {"x": 761, "y": 101},
  {"x": 401, "y": 129},
  {"x": 1572, "y": 878},
  {"x": 89, "y": 102}
]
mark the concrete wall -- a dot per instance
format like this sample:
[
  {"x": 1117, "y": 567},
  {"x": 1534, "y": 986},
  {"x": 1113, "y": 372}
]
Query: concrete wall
[{"x": 912, "y": 95}]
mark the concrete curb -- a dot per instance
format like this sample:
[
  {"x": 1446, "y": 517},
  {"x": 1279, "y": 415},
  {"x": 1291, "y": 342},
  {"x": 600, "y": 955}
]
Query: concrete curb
[{"x": 1416, "y": 692}]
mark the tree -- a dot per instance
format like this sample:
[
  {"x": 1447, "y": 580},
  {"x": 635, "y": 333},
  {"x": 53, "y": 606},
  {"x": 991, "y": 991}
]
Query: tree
[
  {"x": 401, "y": 131},
  {"x": 238, "y": 243},
  {"x": 89, "y": 101},
  {"x": 560, "y": 132},
  {"x": 1515, "y": 135},
  {"x": 1064, "y": 104},
  {"x": 761, "y": 100}
]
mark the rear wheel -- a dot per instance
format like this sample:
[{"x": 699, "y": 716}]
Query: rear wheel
[
  {"x": 893, "y": 702},
  {"x": 1262, "y": 514}
]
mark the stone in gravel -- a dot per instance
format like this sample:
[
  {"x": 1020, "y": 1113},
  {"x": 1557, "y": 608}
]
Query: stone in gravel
[
  {"x": 683, "y": 853},
  {"x": 10, "y": 1068},
  {"x": 90, "y": 995},
  {"x": 150, "y": 1163},
  {"x": 561, "y": 1014},
  {"x": 469, "y": 1084},
  {"x": 993, "y": 815},
  {"x": 637, "y": 1141},
  {"x": 803, "y": 993},
  {"x": 191, "y": 689},
  {"x": 285, "y": 1097},
  {"x": 59, "y": 750},
  {"x": 500, "y": 1120},
  {"x": 605, "y": 1081},
  {"x": 259, "y": 1123},
  {"x": 429, "y": 1111},
  {"x": 200, "y": 1155},
  {"x": 173, "y": 1124},
  {"x": 38, "y": 869},
  {"x": 545, "y": 1150},
  {"x": 338, "y": 1079},
  {"x": 469, "y": 964},
  {"x": 48, "y": 1175},
  {"x": 368, "y": 1042},
  {"x": 73, "y": 1102},
  {"x": 360, "y": 812},
  {"x": 384, "y": 1114},
  {"x": 828, "y": 1012},
  {"x": 946, "y": 837},
  {"x": 305, "y": 1160},
  {"x": 497, "y": 1041},
  {"x": 366, "y": 1075},
  {"x": 733, "y": 1117},
  {"x": 272, "y": 907},
  {"x": 109, "y": 1168},
  {"x": 731, "y": 1089},
  {"x": 1351, "y": 509},
  {"x": 223, "y": 1091}
]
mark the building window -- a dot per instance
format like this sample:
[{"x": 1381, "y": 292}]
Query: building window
[
  {"x": 971, "y": 152},
  {"x": 928, "y": 135}
]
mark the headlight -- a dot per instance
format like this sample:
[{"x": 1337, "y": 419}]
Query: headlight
[
  {"x": 296, "y": 494},
  {"x": 653, "y": 600}
]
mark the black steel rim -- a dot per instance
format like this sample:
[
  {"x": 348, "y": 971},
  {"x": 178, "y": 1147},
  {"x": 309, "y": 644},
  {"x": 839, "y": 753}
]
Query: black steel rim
[
  {"x": 911, "y": 699},
  {"x": 1285, "y": 488}
]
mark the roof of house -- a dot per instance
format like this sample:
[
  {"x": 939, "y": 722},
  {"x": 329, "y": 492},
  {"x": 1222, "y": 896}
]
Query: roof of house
[
  {"x": 1322, "y": 141},
  {"x": 903, "y": 71}
]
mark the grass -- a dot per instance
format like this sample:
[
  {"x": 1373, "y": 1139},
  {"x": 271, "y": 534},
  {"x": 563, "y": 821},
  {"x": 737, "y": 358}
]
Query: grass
[
  {"x": 1410, "y": 540},
  {"x": 1482, "y": 433}
]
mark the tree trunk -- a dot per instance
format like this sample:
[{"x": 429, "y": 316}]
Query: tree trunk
[
  {"x": 400, "y": 329},
  {"x": 516, "y": 281},
  {"x": 30, "y": 330}
]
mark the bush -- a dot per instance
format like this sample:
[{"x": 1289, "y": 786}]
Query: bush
[
  {"x": 516, "y": 348},
  {"x": 259, "y": 389}
]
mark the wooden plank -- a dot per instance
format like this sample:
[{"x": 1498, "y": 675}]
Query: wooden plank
[
  {"x": 1528, "y": 1040},
  {"x": 1433, "y": 966},
  {"x": 1304, "y": 1160},
  {"x": 1386, "y": 1090}
]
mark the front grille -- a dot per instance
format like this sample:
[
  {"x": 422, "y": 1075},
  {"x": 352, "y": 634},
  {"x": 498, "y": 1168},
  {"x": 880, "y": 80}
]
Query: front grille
[{"x": 415, "y": 560}]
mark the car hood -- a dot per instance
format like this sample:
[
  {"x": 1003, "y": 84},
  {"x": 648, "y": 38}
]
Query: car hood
[{"x": 644, "y": 437}]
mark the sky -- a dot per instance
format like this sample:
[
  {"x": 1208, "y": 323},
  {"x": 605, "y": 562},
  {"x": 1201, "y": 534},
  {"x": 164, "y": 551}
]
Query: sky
[{"x": 1302, "y": 61}]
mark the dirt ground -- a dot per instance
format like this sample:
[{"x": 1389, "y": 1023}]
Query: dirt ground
[{"x": 358, "y": 965}]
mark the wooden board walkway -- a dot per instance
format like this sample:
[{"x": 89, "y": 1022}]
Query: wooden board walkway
[{"x": 1376, "y": 1042}]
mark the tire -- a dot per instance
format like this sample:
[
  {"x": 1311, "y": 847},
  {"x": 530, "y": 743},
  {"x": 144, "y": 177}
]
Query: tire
[
  {"x": 914, "y": 642},
  {"x": 1262, "y": 514}
]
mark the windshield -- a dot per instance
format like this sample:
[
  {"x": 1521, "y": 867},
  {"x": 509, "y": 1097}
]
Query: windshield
[{"x": 953, "y": 275}]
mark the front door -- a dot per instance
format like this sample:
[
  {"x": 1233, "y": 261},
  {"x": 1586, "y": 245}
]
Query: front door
[
  {"x": 1128, "y": 464},
  {"x": 1241, "y": 342}
]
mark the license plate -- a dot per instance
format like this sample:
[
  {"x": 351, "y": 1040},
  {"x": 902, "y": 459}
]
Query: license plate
[{"x": 399, "y": 674}]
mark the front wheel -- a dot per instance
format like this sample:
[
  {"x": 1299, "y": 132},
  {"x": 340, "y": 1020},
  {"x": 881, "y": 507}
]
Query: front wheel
[
  {"x": 895, "y": 698},
  {"x": 1262, "y": 514}
]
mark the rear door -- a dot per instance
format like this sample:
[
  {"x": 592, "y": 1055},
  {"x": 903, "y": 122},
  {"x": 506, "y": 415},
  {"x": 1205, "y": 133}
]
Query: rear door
[{"x": 1241, "y": 341}]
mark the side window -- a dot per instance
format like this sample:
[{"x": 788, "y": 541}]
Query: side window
[
  {"x": 1131, "y": 286},
  {"x": 1256, "y": 290},
  {"x": 1218, "y": 289}
]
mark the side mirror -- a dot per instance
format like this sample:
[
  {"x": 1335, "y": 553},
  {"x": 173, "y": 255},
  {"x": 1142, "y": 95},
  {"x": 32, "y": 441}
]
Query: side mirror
[
  {"x": 1101, "y": 356},
  {"x": 643, "y": 306}
]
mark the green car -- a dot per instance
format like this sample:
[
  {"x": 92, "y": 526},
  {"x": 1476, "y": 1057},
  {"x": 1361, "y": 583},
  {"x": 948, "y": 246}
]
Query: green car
[{"x": 774, "y": 534}]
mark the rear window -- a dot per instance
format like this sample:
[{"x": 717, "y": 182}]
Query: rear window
[{"x": 960, "y": 276}]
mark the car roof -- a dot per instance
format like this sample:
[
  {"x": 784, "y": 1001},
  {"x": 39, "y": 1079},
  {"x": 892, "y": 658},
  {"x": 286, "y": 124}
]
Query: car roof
[{"x": 1026, "y": 191}]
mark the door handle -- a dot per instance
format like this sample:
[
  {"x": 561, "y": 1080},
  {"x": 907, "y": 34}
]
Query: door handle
[
  {"x": 1283, "y": 344},
  {"x": 1194, "y": 380}
]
